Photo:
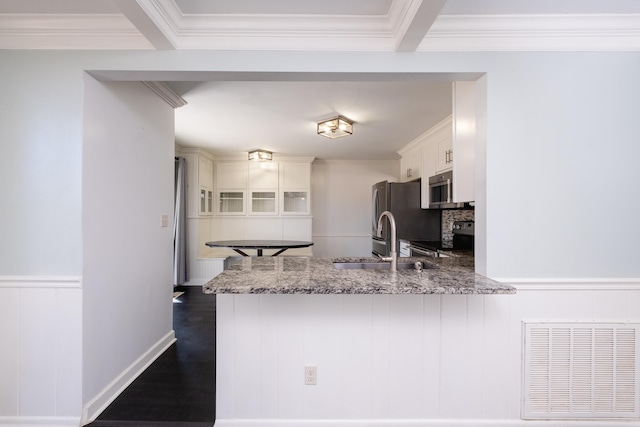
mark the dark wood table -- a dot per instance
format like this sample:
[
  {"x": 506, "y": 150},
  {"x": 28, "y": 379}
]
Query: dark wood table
[{"x": 259, "y": 245}]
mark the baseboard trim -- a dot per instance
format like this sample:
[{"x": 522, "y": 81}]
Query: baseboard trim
[
  {"x": 40, "y": 421},
  {"x": 103, "y": 399},
  {"x": 419, "y": 423},
  {"x": 196, "y": 282},
  {"x": 35, "y": 282}
]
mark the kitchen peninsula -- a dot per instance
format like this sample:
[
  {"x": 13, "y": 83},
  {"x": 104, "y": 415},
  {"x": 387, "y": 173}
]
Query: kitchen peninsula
[{"x": 374, "y": 336}]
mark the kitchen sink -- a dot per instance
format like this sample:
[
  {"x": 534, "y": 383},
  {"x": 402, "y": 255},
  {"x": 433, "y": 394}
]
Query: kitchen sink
[{"x": 374, "y": 265}]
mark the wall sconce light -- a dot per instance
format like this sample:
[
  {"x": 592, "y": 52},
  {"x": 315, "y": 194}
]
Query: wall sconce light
[
  {"x": 335, "y": 127},
  {"x": 260, "y": 155}
]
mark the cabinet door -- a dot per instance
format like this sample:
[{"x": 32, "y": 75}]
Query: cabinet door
[
  {"x": 295, "y": 175},
  {"x": 231, "y": 175},
  {"x": 295, "y": 202},
  {"x": 469, "y": 120},
  {"x": 445, "y": 154},
  {"x": 263, "y": 175},
  {"x": 263, "y": 202},
  {"x": 429, "y": 154},
  {"x": 205, "y": 172},
  {"x": 410, "y": 164},
  {"x": 206, "y": 201},
  {"x": 230, "y": 202}
]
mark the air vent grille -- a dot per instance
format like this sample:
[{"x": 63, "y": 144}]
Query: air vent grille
[{"x": 580, "y": 370}]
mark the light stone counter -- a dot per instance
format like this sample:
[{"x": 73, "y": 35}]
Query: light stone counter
[{"x": 311, "y": 275}]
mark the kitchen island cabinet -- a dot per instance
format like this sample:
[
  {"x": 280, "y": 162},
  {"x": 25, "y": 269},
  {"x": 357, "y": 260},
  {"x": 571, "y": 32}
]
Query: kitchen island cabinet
[{"x": 386, "y": 346}]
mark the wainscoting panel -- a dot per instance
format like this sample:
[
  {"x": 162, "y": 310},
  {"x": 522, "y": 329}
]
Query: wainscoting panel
[
  {"x": 394, "y": 359},
  {"x": 41, "y": 352}
]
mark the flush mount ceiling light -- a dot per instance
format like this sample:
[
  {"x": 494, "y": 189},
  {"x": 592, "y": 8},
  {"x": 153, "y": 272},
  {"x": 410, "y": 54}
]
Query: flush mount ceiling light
[
  {"x": 335, "y": 127},
  {"x": 260, "y": 155}
]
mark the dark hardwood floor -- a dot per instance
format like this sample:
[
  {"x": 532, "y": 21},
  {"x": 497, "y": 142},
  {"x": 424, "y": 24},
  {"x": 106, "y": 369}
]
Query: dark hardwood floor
[{"x": 178, "y": 389}]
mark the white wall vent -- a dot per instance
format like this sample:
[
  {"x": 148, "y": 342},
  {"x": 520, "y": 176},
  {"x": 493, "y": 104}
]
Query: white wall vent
[{"x": 580, "y": 370}]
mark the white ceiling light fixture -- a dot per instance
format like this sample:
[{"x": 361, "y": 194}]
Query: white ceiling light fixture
[
  {"x": 335, "y": 127},
  {"x": 260, "y": 155}
]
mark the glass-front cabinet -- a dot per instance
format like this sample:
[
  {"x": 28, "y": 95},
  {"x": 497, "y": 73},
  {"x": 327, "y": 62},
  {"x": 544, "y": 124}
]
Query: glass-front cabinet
[
  {"x": 295, "y": 179},
  {"x": 295, "y": 202},
  {"x": 262, "y": 188},
  {"x": 206, "y": 201},
  {"x": 264, "y": 202},
  {"x": 231, "y": 202}
]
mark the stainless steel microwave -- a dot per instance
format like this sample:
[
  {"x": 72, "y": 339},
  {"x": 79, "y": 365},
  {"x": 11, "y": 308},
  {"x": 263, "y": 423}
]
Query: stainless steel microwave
[{"x": 441, "y": 192}]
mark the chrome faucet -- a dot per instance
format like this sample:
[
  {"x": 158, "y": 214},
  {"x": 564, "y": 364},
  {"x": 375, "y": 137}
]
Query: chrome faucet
[{"x": 394, "y": 255}]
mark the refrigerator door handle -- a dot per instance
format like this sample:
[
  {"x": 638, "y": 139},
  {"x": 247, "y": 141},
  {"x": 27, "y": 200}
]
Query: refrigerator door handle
[{"x": 375, "y": 208}]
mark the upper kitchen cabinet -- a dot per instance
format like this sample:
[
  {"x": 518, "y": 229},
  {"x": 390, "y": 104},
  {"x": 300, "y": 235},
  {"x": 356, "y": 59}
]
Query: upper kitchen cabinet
[
  {"x": 469, "y": 132},
  {"x": 444, "y": 153},
  {"x": 295, "y": 188},
  {"x": 263, "y": 188},
  {"x": 231, "y": 188},
  {"x": 248, "y": 188},
  {"x": 450, "y": 144},
  {"x": 411, "y": 162},
  {"x": 205, "y": 181},
  {"x": 200, "y": 179}
]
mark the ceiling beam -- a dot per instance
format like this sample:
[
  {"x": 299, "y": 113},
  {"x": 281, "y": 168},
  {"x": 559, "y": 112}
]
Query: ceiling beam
[
  {"x": 141, "y": 20},
  {"x": 416, "y": 23}
]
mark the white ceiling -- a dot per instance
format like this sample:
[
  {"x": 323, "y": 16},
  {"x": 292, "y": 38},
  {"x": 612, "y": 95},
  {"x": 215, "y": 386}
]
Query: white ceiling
[{"x": 230, "y": 117}]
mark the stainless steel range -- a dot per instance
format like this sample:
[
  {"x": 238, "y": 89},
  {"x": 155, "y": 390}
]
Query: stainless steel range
[
  {"x": 463, "y": 234},
  {"x": 463, "y": 240}
]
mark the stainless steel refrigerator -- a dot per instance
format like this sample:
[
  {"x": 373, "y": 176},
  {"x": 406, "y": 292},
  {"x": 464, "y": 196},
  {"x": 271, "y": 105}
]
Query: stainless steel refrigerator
[{"x": 402, "y": 199}]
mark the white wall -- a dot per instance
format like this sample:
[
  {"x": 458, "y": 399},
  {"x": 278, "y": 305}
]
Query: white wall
[
  {"x": 559, "y": 127},
  {"x": 128, "y": 164},
  {"x": 341, "y": 204}
]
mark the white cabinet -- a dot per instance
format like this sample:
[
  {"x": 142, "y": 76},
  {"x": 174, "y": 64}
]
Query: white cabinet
[
  {"x": 263, "y": 188},
  {"x": 200, "y": 182},
  {"x": 469, "y": 131},
  {"x": 205, "y": 186},
  {"x": 230, "y": 202},
  {"x": 231, "y": 175},
  {"x": 444, "y": 159},
  {"x": 247, "y": 188},
  {"x": 428, "y": 157},
  {"x": 295, "y": 188},
  {"x": 458, "y": 135},
  {"x": 231, "y": 185},
  {"x": 263, "y": 174},
  {"x": 411, "y": 163}
]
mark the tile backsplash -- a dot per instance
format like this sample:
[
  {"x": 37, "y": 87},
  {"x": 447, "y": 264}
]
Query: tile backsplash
[{"x": 451, "y": 215}]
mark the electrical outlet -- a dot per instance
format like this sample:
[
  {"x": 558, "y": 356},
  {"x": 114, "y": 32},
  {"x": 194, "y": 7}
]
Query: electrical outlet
[
  {"x": 164, "y": 220},
  {"x": 310, "y": 375}
]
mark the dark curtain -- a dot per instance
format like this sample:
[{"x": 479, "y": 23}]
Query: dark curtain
[{"x": 180, "y": 274}]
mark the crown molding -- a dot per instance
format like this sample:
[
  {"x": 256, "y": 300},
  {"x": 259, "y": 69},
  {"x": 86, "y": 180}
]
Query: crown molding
[
  {"x": 166, "y": 94},
  {"x": 444, "y": 124},
  {"x": 272, "y": 32},
  {"x": 606, "y": 32},
  {"x": 69, "y": 31},
  {"x": 454, "y": 33}
]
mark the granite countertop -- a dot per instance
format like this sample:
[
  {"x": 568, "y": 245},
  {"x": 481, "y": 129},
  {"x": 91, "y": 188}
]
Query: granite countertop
[{"x": 312, "y": 275}]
